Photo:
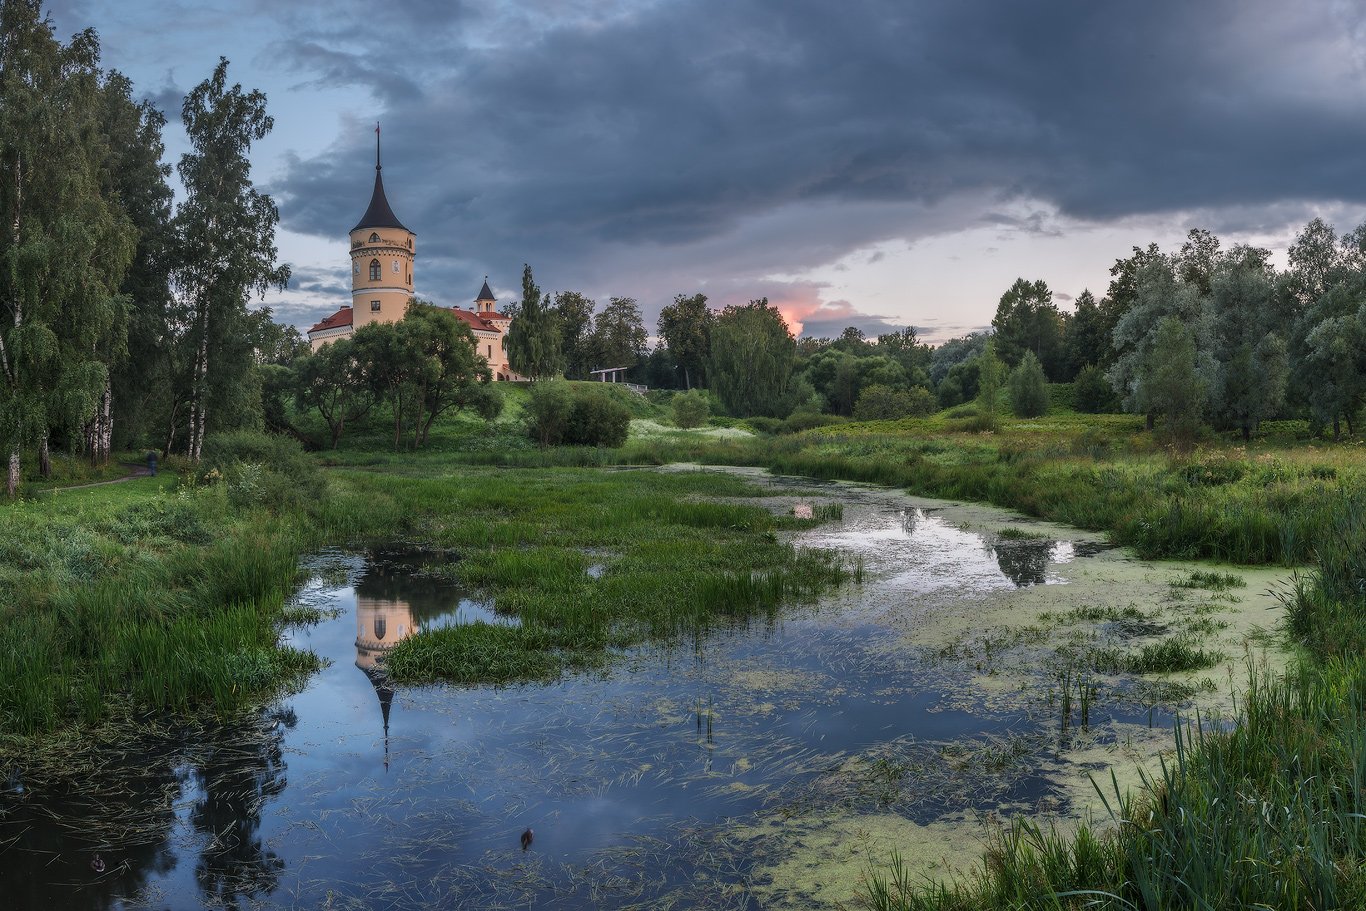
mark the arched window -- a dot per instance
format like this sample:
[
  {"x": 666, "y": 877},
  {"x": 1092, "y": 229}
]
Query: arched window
[
  {"x": 380, "y": 624},
  {"x": 395, "y": 267},
  {"x": 374, "y": 238},
  {"x": 374, "y": 270}
]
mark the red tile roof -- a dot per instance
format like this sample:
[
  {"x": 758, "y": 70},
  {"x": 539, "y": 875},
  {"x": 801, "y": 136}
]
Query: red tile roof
[
  {"x": 341, "y": 318},
  {"x": 475, "y": 320}
]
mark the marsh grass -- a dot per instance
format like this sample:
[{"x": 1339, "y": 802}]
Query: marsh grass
[
  {"x": 689, "y": 555},
  {"x": 1270, "y": 813}
]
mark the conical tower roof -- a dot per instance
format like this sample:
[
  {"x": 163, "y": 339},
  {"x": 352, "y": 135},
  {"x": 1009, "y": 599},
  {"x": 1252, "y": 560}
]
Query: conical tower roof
[
  {"x": 379, "y": 215},
  {"x": 484, "y": 293}
]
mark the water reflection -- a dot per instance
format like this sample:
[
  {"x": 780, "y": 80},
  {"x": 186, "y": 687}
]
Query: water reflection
[{"x": 667, "y": 741}]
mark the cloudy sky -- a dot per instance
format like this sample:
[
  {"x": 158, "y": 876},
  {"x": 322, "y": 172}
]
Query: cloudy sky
[{"x": 859, "y": 162}]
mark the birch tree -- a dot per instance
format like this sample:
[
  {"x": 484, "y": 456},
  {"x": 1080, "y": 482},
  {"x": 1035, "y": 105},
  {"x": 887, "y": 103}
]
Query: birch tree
[
  {"x": 68, "y": 243},
  {"x": 225, "y": 236}
]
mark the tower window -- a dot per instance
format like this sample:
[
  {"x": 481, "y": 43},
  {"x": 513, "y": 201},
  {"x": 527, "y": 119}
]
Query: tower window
[
  {"x": 410, "y": 243},
  {"x": 374, "y": 238},
  {"x": 380, "y": 626},
  {"x": 374, "y": 306},
  {"x": 395, "y": 267},
  {"x": 374, "y": 270},
  {"x": 355, "y": 268},
  {"x": 490, "y": 351}
]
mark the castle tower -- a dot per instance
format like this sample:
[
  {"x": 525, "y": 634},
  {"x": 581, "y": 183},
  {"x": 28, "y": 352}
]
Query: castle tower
[
  {"x": 381, "y": 260},
  {"x": 485, "y": 302}
]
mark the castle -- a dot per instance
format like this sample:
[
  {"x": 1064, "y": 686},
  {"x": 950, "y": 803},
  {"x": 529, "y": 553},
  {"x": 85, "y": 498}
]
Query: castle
[{"x": 382, "y": 254}]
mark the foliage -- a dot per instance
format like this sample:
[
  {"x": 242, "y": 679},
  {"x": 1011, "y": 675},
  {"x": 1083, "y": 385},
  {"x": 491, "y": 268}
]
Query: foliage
[
  {"x": 534, "y": 346},
  {"x": 1171, "y": 386},
  {"x": 596, "y": 419},
  {"x": 619, "y": 338},
  {"x": 750, "y": 366},
  {"x": 67, "y": 241},
  {"x": 334, "y": 382},
  {"x": 990, "y": 373},
  {"x": 685, "y": 326},
  {"x": 575, "y": 315},
  {"x": 547, "y": 412},
  {"x": 225, "y": 243},
  {"x": 1028, "y": 388},
  {"x": 691, "y": 409},
  {"x": 261, "y": 470},
  {"x": 1027, "y": 320},
  {"x": 879, "y": 402},
  {"x": 1091, "y": 391}
]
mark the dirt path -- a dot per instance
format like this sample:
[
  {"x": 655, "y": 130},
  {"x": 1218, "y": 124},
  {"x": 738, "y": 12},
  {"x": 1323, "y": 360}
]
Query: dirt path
[{"x": 138, "y": 473}]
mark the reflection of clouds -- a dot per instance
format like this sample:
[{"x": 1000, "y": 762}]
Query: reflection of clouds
[{"x": 924, "y": 553}]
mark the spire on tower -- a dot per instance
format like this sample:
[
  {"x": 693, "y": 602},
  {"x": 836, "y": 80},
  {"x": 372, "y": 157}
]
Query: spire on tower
[{"x": 378, "y": 215}]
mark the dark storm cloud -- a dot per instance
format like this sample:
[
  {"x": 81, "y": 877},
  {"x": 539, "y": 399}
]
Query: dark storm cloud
[{"x": 673, "y": 124}]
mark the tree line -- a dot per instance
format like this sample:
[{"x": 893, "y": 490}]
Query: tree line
[{"x": 123, "y": 316}]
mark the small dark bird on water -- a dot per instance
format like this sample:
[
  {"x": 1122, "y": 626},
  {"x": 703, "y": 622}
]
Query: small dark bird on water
[
  {"x": 526, "y": 838},
  {"x": 97, "y": 864}
]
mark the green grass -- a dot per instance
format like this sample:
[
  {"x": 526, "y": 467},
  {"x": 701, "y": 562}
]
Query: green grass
[{"x": 681, "y": 563}]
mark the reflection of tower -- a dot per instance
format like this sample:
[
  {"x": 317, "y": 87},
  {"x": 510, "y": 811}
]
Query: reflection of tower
[{"x": 381, "y": 624}]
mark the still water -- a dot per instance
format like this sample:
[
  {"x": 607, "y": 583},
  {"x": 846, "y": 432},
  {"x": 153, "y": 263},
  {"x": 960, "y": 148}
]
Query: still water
[{"x": 637, "y": 781}]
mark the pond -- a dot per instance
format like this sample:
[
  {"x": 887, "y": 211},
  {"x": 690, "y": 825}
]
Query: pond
[{"x": 763, "y": 765}]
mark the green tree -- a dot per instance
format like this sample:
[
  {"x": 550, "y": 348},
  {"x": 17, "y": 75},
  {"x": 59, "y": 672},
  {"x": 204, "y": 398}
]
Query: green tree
[
  {"x": 750, "y": 367},
  {"x": 1159, "y": 296},
  {"x": 575, "y": 315},
  {"x": 533, "y": 340},
  {"x": 904, "y": 347},
  {"x": 990, "y": 374},
  {"x": 685, "y": 327},
  {"x": 1250, "y": 382},
  {"x": 1028, "y": 388},
  {"x": 225, "y": 239},
  {"x": 1171, "y": 386},
  {"x": 619, "y": 338},
  {"x": 1086, "y": 337},
  {"x": 1122, "y": 294},
  {"x": 1028, "y": 320},
  {"x": 333, "y": 381},
  {"x": 1091, "y": 391},
  {"x": 67, "y": 243},
  {"x": 140, "y": 386},
  {"x": 449, "y": 377}
]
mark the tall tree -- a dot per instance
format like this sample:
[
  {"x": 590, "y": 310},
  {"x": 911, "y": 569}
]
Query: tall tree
[
  {"x": 685, "y": 326},
  {"x": 141, "y": 387},
  {"x": 575, "y": 315},
  {"x": 1086, "y": 339},
  {"x": 450, "y": 377},
  {"x": 1251, "y": 357},
  {"x": 750, "y": 366},
  {"x": 990, "y": 378},
  {"x": 67, "y": 244},
  {"x": 533, "y": 340},
  {"x": 225, "y": 235},
  {"x": 619, "y": 334},
  {"x": 334, "y": 382},
  {"x": 1171, "y": 386},
  {"x": 1028, "y": 320},
  {"x": 904, "y": 346}
]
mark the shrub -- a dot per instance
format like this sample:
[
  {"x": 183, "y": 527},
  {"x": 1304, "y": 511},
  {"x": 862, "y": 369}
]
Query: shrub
[
  {"x": 261, "y": 469},
  {"x": 1028, "y": 388},
  {"x": 764, "y": 425},
  {"x": 691, "y": 409},
  {"x": 547, "y": 411},
  {"x": 806, "y": 420},
  {"x": 1061, "y": 397},
  {"x": 1091, "y": 391},
  {"x": 881, "y": 403},
  {"x": 597, "y": 420}
]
